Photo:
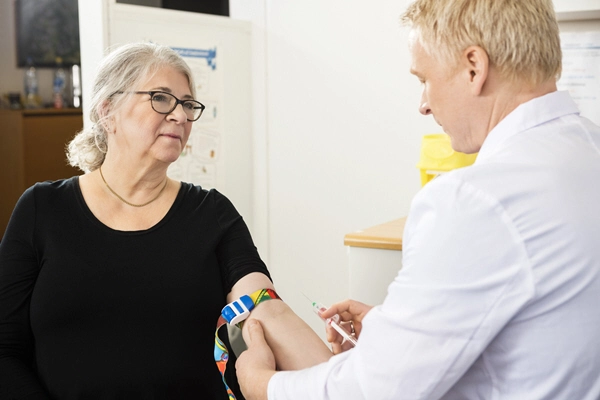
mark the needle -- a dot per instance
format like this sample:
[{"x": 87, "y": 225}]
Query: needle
[{"x": 333, "y": 321}]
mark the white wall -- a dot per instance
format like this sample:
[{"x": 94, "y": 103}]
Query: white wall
[
  {"x": 577, "y": 9},
  {"x": 337, "y": 134},
  {"x": 341, "y": 134}
]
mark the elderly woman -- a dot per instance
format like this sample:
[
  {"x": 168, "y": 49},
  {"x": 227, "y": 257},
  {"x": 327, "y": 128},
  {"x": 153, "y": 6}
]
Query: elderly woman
[{"x": 111, "y": 283}]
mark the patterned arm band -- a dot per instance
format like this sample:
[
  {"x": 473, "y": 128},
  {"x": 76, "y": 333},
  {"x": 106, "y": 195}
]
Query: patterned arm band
[{"x": 235, "y": 313}]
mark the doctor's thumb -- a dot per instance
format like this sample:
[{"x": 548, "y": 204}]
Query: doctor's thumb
[{"x": 254, "y": 335}]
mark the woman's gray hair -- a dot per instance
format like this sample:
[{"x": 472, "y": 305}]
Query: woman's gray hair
[{"x": 121, "y": 71}]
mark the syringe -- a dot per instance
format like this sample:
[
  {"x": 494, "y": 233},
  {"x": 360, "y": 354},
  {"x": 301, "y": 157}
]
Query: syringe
[{"x": 333, "y": 321}]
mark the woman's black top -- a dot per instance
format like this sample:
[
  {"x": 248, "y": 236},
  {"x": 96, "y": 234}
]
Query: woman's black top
[{"x": 89, "y": 312}]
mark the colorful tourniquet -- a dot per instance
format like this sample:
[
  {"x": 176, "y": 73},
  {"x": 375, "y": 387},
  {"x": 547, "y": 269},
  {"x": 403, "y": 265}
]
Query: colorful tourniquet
[{"x": 236, "y": 313}]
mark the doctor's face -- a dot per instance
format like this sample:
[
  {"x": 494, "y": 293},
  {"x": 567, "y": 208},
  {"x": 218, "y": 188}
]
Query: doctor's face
[{"x": 445, "y": 95}]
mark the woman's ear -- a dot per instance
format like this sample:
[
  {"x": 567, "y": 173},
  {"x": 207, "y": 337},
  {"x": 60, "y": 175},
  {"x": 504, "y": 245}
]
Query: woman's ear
[
  {"x": 103, "y": 109},
  {"x": 477, "y": 62},
  {"x": 104, "y": 118}
]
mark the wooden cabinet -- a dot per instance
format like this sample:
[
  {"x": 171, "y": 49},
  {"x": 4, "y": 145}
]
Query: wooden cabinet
[{"x": 32, "y": 149}]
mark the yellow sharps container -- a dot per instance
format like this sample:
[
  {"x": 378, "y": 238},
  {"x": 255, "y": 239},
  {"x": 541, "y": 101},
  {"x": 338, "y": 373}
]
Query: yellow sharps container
[{"x": 437, "y": 157}]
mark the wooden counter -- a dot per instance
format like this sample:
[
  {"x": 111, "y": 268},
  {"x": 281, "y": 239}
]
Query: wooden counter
[
  {"x": 386, "y": 236},
  {"x": 374, "y": 259},
  {"x": 32, "y": 149}
]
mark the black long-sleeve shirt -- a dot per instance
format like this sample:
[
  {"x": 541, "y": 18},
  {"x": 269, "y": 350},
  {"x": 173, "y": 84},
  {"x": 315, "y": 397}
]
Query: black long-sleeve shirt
[{"x": 89, "y": 312}]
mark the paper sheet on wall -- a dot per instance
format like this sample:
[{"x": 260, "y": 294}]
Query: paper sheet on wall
[
  {"x": 581, "y": 71},
  {"x": 199, "y": 162}
]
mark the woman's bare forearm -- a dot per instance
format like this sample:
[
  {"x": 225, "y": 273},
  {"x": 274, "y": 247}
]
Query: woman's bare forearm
[{"x": 294, "y": 343}]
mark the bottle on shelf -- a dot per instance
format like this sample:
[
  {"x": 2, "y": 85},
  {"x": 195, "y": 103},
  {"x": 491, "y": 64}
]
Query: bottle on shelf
[
  {"x": 60, "y": 81},
  {"x": 76, "y": 84},
  {"x": 32, "y": 100}
]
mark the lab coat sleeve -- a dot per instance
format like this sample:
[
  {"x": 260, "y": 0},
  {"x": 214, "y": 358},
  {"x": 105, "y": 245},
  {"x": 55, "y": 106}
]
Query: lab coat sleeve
[{"x": 465, "y": 274}]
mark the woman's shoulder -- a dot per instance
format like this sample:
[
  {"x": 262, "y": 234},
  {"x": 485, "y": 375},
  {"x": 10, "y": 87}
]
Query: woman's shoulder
[
  {"x": 53, "y": 188},
  {"x": 197, "y": 192},
  {"x": 45, "y": 188},
  {"x": 48, "y": 196},
  {"x": 195, "y": 195}
]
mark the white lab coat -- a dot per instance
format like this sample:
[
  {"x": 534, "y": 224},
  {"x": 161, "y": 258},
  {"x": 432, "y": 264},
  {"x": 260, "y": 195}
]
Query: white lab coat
[{"x": 499, "y": 291}]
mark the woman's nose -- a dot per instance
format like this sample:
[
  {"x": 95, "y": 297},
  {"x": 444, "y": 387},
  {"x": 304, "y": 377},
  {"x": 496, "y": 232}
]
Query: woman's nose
[{"x": 178, "y": 114}]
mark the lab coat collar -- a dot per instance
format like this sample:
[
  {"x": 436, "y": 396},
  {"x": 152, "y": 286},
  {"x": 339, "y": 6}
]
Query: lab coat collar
[{"x": 526, "y": 116}]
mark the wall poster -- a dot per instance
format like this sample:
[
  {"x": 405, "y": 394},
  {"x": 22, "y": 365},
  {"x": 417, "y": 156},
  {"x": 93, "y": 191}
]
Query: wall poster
[
  {"x": 199, "y": 160},
  {"x": 581, "y": 71}
]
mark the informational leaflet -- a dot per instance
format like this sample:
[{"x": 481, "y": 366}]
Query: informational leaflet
[
  {"x": 581, "y": 71},
  {"x": 199, "y": 161}
]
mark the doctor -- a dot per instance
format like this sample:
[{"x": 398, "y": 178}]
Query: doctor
[{"x": 498, "y": 295}]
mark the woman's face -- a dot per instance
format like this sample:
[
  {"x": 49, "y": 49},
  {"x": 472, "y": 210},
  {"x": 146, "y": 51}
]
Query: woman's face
[{"x": 141, "y": 133}]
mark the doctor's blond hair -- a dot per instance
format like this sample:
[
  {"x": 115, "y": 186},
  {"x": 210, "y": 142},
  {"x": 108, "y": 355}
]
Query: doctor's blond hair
[
  {"x": 121, "y": 71},
  {"x": 521, "y": 37}
]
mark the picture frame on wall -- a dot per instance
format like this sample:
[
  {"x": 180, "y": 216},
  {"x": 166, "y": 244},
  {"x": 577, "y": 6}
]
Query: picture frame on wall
[{"x": 46, "y": 30}]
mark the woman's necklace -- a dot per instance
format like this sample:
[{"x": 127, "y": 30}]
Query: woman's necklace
[{"x": 125, "y": 201}]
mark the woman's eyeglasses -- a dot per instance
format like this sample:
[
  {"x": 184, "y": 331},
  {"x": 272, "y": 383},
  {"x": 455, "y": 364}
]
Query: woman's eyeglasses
[{"x": 165, "y": 103}]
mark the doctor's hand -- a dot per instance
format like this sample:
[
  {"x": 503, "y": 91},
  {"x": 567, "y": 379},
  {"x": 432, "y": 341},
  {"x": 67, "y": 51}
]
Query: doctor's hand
[
  {"x": 255, "y": 366},
  {"x": 351, "y": 314}
]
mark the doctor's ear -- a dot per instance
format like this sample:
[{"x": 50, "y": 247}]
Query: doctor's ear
[{"x": 477, "y": 63}]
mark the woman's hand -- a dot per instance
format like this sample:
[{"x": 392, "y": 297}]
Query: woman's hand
[{"x": 351, "y": 313}]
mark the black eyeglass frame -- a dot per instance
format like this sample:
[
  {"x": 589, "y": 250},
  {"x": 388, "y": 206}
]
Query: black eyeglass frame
[{"x": 177, "y": 102}]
